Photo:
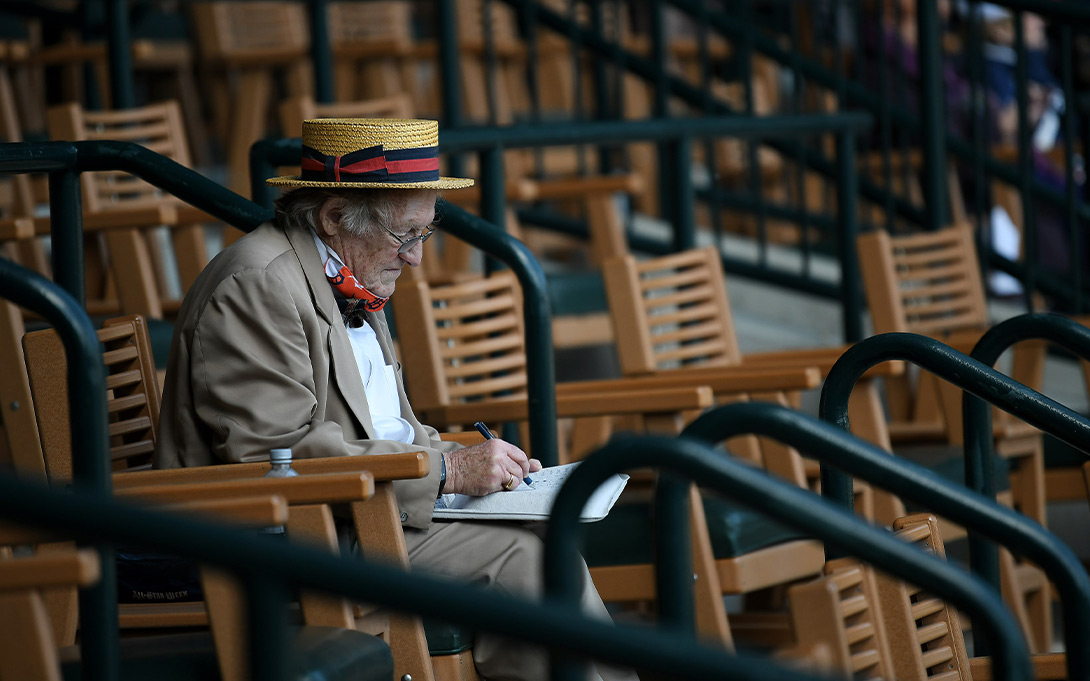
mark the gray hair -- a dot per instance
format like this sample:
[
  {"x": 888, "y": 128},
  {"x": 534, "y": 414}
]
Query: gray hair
[{"x": 365, "y": 211}]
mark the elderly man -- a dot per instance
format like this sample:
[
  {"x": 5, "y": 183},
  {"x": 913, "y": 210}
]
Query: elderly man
[{"x": 282, "y": 342}]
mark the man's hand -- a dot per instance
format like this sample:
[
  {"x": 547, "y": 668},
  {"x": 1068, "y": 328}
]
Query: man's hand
[{"x": 491, "y": 466}]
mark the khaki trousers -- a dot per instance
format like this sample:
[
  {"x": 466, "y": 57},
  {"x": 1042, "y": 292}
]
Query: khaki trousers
[{"x": 506, "y": 557}]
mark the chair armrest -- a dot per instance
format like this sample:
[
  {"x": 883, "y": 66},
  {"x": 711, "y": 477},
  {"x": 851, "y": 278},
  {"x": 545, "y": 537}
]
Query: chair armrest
[
  {"x": 67, "y": 568},
  {"x": 14, "y": 229},
  {"x": 822, "y": 358},
  {"x": 381, "y": 467},
  {"x": 579, "y": 187},
  {"x": 584, "y": 403},
  {"x": 303, "y": 489},
  {"x": 121, "y": 218},
  {"x": 721, "y": 380},
  {"x": 249, "y": 511},
  {"x": 1046, "y": 667}
]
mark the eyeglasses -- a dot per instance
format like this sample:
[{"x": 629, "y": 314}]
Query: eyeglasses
[{"x": 407, "y": 244}]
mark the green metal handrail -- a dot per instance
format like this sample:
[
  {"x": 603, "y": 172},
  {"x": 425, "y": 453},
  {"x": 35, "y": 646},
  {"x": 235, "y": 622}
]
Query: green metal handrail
[
  {"x": 973, "y": 511},
  {"x": 977, "y": 417},
  {"x": 263, "y": 562},
  {"x": 697, "y": 460}
]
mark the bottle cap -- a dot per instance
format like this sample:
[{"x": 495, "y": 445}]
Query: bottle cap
[{"x": 279, "y": 456}]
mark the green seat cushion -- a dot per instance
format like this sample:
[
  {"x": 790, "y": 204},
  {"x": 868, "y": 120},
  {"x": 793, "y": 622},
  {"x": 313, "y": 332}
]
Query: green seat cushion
[
  {"x": 624, "y": 537},
  {"x": 445, "y": 638},
  {"x": 160, "y": 333},
  {"x": 317, "y": 654},
  {"x": 574, "y": 293}
]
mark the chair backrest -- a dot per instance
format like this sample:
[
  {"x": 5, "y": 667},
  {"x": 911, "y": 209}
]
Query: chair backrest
[
  {"x": 156, "y": 126},
  {"x": 927, "y": 283},
  {"x": 466, "y": 341},
  {"x": 926, "y": 631},
  {"x": 132, "y": 397},
  {"x": 253, "y": 32},
  {"x": 671, "y": 312},
  {"x": 837, "y": 619}
]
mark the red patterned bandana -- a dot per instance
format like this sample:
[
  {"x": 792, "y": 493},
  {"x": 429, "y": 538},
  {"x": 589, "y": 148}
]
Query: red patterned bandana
[{"x": 353, "y": 295}]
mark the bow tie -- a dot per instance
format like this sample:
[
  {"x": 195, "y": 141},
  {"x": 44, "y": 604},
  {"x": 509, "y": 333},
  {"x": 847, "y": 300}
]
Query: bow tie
[{"x": 353, "y": 311}]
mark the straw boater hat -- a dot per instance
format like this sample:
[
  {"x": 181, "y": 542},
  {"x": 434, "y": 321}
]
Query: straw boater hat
[{"x": 370, "y": 153}]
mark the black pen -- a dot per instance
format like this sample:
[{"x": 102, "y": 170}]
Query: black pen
[{"x": 483, "y": 430}]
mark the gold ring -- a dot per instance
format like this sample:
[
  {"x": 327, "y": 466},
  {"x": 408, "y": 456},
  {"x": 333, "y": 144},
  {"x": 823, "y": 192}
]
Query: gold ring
[{"x": 509, "y": 484}]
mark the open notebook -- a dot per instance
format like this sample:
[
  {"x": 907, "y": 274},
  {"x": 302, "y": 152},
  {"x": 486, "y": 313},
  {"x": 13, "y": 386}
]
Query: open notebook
[{"x": 530, "y": 502}]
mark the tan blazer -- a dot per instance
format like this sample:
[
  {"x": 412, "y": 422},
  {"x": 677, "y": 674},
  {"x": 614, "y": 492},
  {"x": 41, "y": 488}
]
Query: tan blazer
[{"x": 260, "y": 359}]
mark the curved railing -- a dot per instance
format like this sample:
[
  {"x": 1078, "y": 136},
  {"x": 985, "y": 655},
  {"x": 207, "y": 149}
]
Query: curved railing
[
  {"x": 953, "y": 501},
  {"x": 977, "y": 417},
  {"x": 791, "y": 505}
]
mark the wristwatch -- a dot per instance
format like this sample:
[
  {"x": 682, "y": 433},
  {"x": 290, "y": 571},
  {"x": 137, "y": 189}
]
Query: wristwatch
[{"x": 442, "y": 474}]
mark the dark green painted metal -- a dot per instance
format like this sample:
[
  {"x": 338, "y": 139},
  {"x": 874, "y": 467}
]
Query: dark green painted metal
[
  {"x": 673, "y": 551},
  {"x": 446, "y": 28},
  {"x": 692, "y": 457},
  {"x": 851, "y": 290},
  {"x": 66, "y": 226},
  {"x": 90, "y": 458},
  {"x": 493, "y": 203},
  {"x": 977, "y": 417},
  {"x": 562, "y": 625},
  {"x": 320, "y": 50},
  {"x": 119, "y": 54},
  {"x": 950, "y": 500},
  {"x": 932, "y": 114},
  {"x": 683, "y": 217}
]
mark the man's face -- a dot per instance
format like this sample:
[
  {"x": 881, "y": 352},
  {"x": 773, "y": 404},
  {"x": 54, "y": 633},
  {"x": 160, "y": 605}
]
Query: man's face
[{"x": 374, "y": 259}]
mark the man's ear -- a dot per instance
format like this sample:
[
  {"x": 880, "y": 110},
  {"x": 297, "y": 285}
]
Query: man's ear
[{"x": 329, "y": 216}]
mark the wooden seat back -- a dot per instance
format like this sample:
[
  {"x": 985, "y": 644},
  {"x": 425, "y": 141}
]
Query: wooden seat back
[
  {"x": 927, "y": 283},
  {"x": 467, "y": 342},
  {"x": 838, "y": 622},
  {"x": 671, "y": 312},
  {"x": 930, "y": 641},
  {"x": 125, "y": 207},
  {"x": 132, "y": 400}
]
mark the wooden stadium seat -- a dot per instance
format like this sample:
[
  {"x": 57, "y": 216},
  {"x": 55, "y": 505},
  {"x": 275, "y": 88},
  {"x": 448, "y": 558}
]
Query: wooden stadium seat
[
  {"x": 930, "y": 283},
  {"x": 926, "y": 633},
  {"x": 837, "y": 620},
  {"x": 673, "y": 320},
  {"x": 126, "y": 208}
]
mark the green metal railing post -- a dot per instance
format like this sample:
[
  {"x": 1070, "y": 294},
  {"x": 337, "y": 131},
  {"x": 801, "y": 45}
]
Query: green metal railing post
[
  {"x": 320, "y": 50},
  {"x": 693, "y": 457},
  {"x": 493, "y": 202},
  {"x": 932, "y": 112},
  {"x": 682, "y": 214},
  {"x": 851, "y": 289},
  {"x": 66, "y": 228},
  {"x": 119, "y": 52}
]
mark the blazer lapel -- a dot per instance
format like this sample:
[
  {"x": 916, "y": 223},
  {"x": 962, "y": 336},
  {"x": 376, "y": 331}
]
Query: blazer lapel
[{"x": 346, "y": 373}]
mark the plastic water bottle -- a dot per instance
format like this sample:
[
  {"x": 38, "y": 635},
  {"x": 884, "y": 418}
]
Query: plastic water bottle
[
  {"x": 281, "y": 464},
  {"x": 281, "y": 468}
]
